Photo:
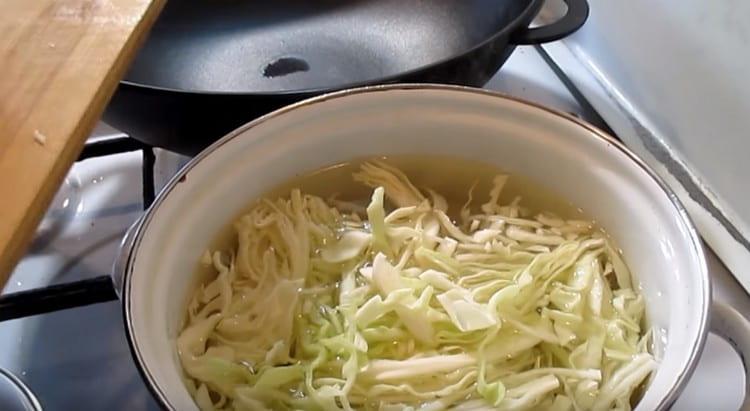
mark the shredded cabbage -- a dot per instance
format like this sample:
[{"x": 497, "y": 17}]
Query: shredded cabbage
[{"x": 318, "y": 308}]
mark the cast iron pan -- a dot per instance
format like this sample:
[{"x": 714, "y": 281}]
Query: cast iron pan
[{"x": 209, "y": 66}]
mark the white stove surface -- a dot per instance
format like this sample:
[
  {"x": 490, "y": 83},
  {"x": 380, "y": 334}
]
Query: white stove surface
[{"x": 79, "y": 359}]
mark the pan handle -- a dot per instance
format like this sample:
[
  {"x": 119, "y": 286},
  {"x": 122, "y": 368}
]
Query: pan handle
[
  {"x": 57, "y": 297},
  {"x": 578, "y": 12}
]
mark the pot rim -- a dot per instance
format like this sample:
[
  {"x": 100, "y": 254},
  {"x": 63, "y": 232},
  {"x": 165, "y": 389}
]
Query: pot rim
[{"x": 140, "y": 226}]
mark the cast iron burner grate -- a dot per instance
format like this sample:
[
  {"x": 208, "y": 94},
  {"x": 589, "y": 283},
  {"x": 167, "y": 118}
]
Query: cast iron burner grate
[{"x": 92, "y": 290}]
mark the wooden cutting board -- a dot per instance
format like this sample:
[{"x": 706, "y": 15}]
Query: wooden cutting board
[{"x": 60, "y": 61}]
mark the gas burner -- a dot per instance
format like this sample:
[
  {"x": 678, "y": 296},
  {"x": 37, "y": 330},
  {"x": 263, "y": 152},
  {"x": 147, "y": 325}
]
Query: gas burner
[{"x": 15, "y": 395}]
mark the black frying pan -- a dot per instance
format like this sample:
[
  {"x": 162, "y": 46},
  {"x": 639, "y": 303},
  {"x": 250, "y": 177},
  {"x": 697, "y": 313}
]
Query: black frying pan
[{"x": 209, "y": 66}]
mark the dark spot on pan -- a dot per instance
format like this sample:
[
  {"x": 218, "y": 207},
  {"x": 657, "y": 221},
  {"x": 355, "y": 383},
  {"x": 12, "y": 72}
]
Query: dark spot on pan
[
  {"x": 182, "y": 179},
  {"x": 285, "y": 66}
]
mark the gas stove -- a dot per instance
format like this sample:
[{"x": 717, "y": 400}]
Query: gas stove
[{"x": 79, "y": 358}]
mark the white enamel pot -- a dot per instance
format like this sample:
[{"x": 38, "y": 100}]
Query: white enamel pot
[{"x": 560, "y": 152}]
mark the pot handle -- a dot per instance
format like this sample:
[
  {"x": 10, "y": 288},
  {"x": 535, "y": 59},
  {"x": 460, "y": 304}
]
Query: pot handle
[
  {"x": 733, "y": 327},
  {"x": 578, "y": 12}
]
